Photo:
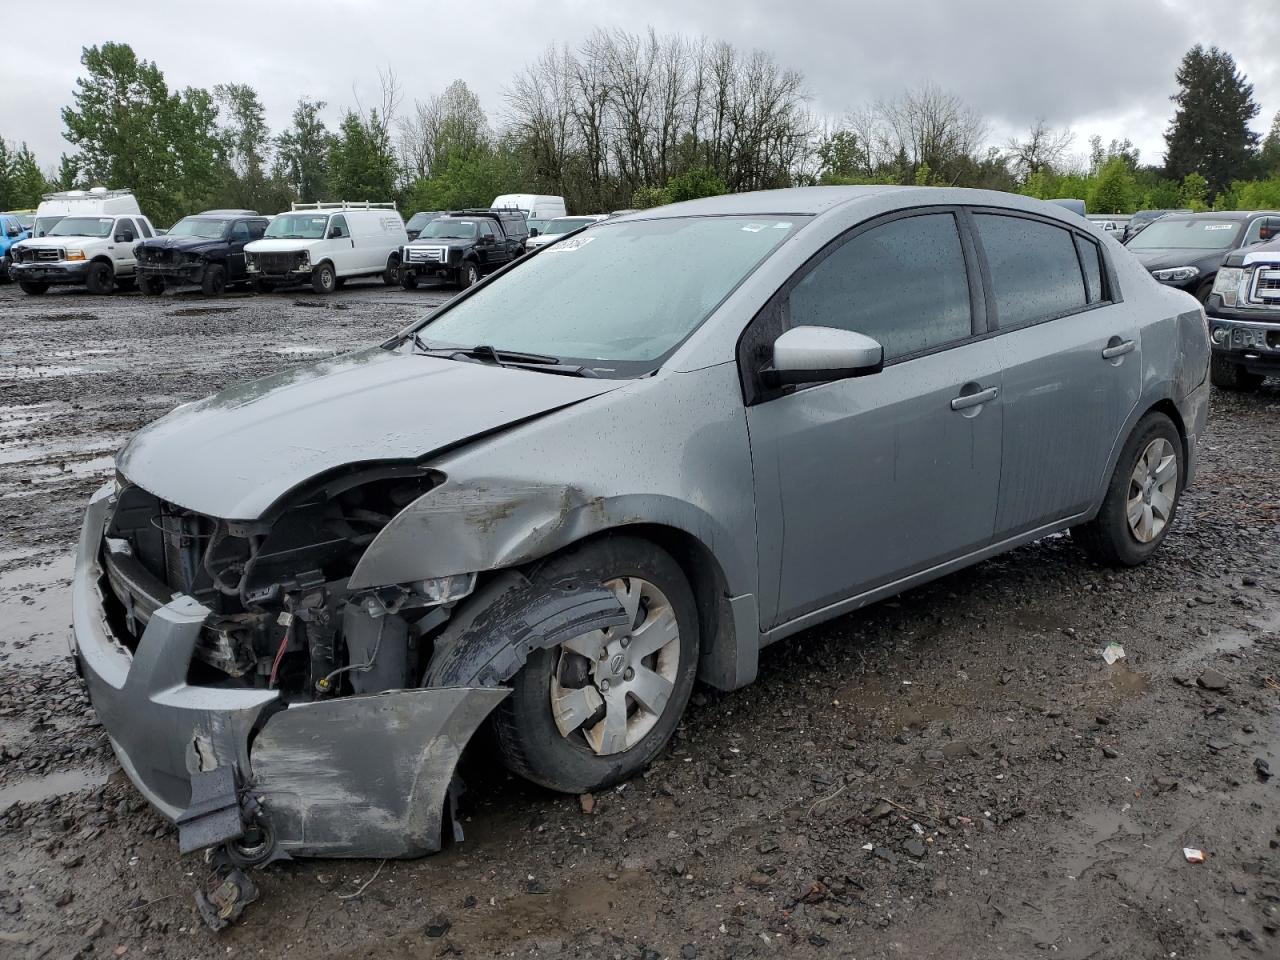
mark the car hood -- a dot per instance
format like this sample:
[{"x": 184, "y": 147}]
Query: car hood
[
  {"x": 1161, "y": 258},
  {"x": 234, "y": 454},
  {"x": 185, "y": 244},
  {"x": 281, "y": 245}
]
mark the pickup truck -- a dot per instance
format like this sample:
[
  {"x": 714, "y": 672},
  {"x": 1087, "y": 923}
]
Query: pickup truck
[
  {"x": 96, "y": 251},
  {"x": 12, "y": 231},
  {"x": 463, "y": 246},
  {"x": 205, "y": 249},
  {"x": 1244, "y": 318}
]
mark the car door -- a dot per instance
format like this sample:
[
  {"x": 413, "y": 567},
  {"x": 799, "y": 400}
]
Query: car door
[
  {"x": 124, "y": 235},
  {"x": 342, "y": 246},
  {"x": 488, "y": 250},
  {"x": 1072, "y": 361},
  {"x": 862, "y": 482},
  {"x": 235, "y": 250}
]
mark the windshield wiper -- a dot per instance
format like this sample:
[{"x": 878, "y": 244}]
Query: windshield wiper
[{"x": 504, "y": 358}]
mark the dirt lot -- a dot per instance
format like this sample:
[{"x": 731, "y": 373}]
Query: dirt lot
[{"x": 956, "y": 773}]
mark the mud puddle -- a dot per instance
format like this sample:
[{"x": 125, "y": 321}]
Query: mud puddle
[
  {"x": 56, "y": 784},
  {"x": 35, "y": 611}
]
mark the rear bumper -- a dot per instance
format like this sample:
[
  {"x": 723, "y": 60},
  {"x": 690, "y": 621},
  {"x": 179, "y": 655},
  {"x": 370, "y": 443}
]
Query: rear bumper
[
  {"x": 61, "y": 272},
  {"x": 347, "y": 777}
]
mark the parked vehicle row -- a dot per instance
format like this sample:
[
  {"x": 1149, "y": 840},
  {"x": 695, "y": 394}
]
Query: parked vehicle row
[
  {"x": 207, "y": 250},
  {"x": 463, "y": 246}
]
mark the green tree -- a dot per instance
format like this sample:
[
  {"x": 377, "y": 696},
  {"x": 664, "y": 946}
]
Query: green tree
[
  {"x": 362, "y": 165},
  {"x": 303, "y": 152},
  {"x": 1271, "y": 149},
  {"x": 695, "y": 183},
  {"x": 1210, "y": 133},
  {"x": 29, "y": 183},
  {"x": 842, "y": 158},
  {"x": 1114, "y": 190},
  {"x": 1164, "y": 194},
  {"x": 6, "y": 177},
  {"x": 466, "y": 181},
  {"x": 1194, "y": 192},
  {"x": 249, "y": 183},
  {"x": 645, "y": 197}
]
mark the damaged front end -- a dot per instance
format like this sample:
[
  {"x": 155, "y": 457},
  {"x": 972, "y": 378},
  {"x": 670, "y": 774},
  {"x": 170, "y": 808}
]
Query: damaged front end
[{"x": 251, "y": 694}]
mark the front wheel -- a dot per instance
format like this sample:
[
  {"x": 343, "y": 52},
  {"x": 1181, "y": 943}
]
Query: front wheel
[
  {"x": 391, "y": 275},
  {"x": 215, "y": 281},
  {"x": 263, "y": 286},
  {"x": 4, "y": 269},
  {"x": 33, "y": 287},
  {"x": 152, "y": 286},
  {"x": 468, "y": 275},
  {"x": 1142, "y": 499},
  {"x": 1226, "y": 375},
  {"x": 323, "y": 279},
  {"x": 100, "y": 279},
  {"x": 598, "y": 708},
  {"x": 408, "y": 279}
]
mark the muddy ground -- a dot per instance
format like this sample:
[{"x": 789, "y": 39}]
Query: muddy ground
[{"x": 957, "y": 773}]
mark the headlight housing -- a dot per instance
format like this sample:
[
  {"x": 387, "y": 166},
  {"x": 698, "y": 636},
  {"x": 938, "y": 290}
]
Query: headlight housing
[
  {"x": 1176, "y": 274},
  {"x": 75, "y": 254},
  {"x": 1227, "y": 285}
]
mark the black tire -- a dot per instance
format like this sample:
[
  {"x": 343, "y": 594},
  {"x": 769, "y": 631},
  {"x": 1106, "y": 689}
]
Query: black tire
[
  {"x": 264, "y": 286},
  {"x": 1226, "y": 375},
  {"x": 1107, "y": 538},
  {"x": 1203, "y": 291},
  {"x": 214, "y": 283},
  {"x": 408, "y": 280},
  {"x": 323, "y": 279},
  {"x": 33, "y": 287},
  {"x": 468, "y": 274},
  {"x": 151, "y": 286},
  {"x": 525, "y": 731},
  {"x": 391, "y": 275},
  {"x": 101, "y": 278},
  {"x": 4, "y": 269}
]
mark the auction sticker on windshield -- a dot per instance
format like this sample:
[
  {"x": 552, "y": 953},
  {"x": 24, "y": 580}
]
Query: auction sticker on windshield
[{"x": 568, "y": 246}]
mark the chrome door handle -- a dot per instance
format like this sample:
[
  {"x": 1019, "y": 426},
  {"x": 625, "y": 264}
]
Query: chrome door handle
[
  {"x": 1119, "y": 350},
  {"x": 965, "y": 401}
]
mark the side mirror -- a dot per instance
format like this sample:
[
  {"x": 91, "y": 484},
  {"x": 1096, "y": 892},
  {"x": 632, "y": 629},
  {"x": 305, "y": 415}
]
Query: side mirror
[
  {"x": 533, "y": 232},
  {"x": 822, "y": 354},
  {"x": 1269, "y": 230},
  {"x": 124, "y": 236}
]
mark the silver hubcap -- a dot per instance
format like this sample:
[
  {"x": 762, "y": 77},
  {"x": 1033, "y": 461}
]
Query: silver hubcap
[
  {"x": 611, "y": 686},
  {"x": 1152, "y": 489}
]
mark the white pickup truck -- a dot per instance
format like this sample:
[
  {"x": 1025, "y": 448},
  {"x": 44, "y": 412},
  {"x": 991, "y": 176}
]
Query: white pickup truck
[{"x": 92, "y": 243}]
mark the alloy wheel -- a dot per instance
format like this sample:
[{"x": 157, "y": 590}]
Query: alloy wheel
[
  {"x": 1153, "y": 489},
  {"x": 610, "y": 687}
]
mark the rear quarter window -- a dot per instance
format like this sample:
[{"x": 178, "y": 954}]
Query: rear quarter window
[{"x": 1034, "y": 269}]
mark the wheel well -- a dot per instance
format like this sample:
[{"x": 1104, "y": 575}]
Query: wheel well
[
  {"x": 103, "y": 258},
  {"x": 1170, "y": 410}
]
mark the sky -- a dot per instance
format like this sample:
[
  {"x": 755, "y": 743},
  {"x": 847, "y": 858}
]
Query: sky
[{"x": 1095, "y": 66}]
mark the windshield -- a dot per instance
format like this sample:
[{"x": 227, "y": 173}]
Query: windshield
[
  {"x": 566, "y": 224},
  {"x": 43, "y": 225},
  {"x": 82, "y": 227},
  {"x": 593, "y": 300},
  {"x": 199, "y": 227},
  {"x": 446, "y": 229},
  {"x": 1166, "y": 233},
  {"x": 539, "y": 225},
  {"x": 297, "y": 226}
]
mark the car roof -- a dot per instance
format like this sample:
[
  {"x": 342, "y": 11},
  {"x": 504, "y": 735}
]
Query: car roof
[{"x": 1223, "y": 215}]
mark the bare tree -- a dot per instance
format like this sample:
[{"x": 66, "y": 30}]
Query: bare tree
[
  {"x": 1042, "y": 149},
  {"x": 924, "y": 127}
]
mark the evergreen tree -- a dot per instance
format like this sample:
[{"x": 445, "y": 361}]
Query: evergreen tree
[
  {"x": 29, "y": 183},
  {"x": 1271, "y": 150},
  {"x": 1210, "y": 132},
  {"x": 362, "y": 165},
  {"x": 303, "y": 152},
  {"x": 6, "y": 177},
  {"x": 1115, "y": 189}
]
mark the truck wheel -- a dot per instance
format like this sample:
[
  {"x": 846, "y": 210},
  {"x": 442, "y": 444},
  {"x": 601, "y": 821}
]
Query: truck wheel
[
  {"x": 597, "y": 708},
  {"x": 1203, "y": 291},
  {"x": 100, "y": 279},
  {"x": 4, "y": 269},
  {"x": 1226, "y": 375},
  {"x": 33, "y": 287},
  {"x": 1142, "y": 499},
  {"x": 215, "y": 280},
  {"x": 392, "y": 273},
  {"x": 152, "y": 286},
  {"x": 468, "y": 275},
  {"x": 263, "y": 286},
  {"x": 323, "y": 279},
  {"x": 408, "y": 280}
]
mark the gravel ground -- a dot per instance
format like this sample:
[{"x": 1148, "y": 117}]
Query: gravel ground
[{"x": 955, "y": 773}]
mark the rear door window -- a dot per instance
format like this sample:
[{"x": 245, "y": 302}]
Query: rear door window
[
  {"x": 1035, "y": 271},
  {"x": 1091, "y": 261},
  {"x": 904, "y": 283},
  {"x": 144, "y": 227},
  {"x": 240, "y": 232}
]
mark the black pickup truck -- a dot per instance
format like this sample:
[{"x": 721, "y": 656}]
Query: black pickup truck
[
  {"x": 463, "y": 245},
  {"x": 205, "y": 249},
  {"x": 1244, "y": 318}
]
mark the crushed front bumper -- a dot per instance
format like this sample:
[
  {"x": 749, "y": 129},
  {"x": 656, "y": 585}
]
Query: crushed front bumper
[
  {"x": 173, "y": 272},
  {"x": 348, "y": 777},
  {"x": 63, "y": 271}
]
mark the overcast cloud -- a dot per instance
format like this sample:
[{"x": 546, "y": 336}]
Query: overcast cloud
[{"x": 1098, "y": 66}]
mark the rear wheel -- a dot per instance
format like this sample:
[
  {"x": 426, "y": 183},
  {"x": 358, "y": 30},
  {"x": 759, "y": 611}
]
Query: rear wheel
[
  {"x": 1226, "y": 375},
  {"x": 101, "y": 278},
  {"x": 1142, "y": 499},
  {"x": 215, "y": 280},
  {"x": 33, "y": 287},
  {"x": 598, "y": 708},
  {"x": 323, "y": 279},
  {"x": 392, "y": 274},
  {"x": 152, "y": 286}
]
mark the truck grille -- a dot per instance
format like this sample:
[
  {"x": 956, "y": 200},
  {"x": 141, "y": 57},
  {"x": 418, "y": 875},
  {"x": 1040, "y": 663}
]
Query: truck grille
[
  {"x": 286, "y": 262},
  {"x": 39, "y": 255},
  {"x": 1266, "y": 285},
  {"x": 415, "y": 254},
  {"x": 157, "y": 256}
]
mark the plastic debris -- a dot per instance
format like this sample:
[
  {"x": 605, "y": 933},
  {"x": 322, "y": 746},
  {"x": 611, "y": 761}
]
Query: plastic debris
[
  {"x": 224, "y": 904},
  {"x": 1193, "y": 855},
  {"x": 1112, "y": 652}
]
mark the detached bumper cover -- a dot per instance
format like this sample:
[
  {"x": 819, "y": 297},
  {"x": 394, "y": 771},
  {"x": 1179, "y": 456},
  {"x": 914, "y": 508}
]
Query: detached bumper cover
[
  {"x": 173, "y": 272},
  {"x": 60, "y": 272},
  {"x": 348, "y": 777}
]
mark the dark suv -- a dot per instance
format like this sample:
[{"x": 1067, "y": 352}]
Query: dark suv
[
  {"x": 464, "y": 245},
  {"x": 205, "y": 249},
  {"x": 1185, "y": 250}
]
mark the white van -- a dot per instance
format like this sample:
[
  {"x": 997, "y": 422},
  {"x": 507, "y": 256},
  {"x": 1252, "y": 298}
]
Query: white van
[
  {"x": 537, "y": 208},
  {"x": 328, "y": 243},
  {"x": 81, "y": 237}
]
